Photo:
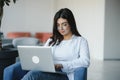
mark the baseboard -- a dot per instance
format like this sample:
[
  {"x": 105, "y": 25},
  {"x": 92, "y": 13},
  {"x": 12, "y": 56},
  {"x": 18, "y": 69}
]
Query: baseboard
[{"x": 111, "y": 59}]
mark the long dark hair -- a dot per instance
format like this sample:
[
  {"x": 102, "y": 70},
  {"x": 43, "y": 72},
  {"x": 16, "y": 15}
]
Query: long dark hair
[{"x": 68, "y": 15}]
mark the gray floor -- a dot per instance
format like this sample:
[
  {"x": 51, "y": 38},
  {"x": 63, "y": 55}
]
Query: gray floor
[{"x": 104, "y": 70}]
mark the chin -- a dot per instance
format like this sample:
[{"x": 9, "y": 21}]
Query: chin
[{"x": 63, "y": 34}]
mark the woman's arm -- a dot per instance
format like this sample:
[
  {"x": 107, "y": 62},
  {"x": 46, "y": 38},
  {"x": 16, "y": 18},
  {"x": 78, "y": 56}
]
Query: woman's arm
[
  {"x": 47, "y": 42},
  {"x": 82, "y": 61}
]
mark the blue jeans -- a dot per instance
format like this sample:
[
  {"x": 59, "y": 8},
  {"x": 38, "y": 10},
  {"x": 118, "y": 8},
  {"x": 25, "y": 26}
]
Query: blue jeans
[
  {"x": 38, "y": 75},
  {"x": 79, "y": 74},
  {"x": 14, "y": 72}
]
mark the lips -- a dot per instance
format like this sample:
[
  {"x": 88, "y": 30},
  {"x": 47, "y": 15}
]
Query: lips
[{"x": 62, "y": 31}]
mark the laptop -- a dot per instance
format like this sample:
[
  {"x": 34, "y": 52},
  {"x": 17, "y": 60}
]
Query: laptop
[{"x": 37, "y": 58}]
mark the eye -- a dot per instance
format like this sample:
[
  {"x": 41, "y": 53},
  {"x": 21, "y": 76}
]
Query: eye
[{"x": 65, "y": 24}]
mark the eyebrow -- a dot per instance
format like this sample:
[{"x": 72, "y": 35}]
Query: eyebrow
[{"x": 63, "y": 23}]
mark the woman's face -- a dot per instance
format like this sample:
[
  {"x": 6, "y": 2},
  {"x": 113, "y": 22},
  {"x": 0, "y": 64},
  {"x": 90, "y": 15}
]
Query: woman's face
[{"x": 63, "y": 26}]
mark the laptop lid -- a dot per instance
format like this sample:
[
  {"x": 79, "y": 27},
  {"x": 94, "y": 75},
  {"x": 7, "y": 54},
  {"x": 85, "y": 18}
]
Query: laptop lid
[{"x": 36, "y": 58}]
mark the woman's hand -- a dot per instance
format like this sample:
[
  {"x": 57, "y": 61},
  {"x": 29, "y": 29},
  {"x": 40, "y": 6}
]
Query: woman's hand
[{"x": 58, "y": 66}]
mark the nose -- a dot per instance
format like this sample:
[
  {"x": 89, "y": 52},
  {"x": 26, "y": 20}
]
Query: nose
[{"x": 60, "y": 27}]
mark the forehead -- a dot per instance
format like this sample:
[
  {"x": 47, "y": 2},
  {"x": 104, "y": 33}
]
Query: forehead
[{"x": 61, "y": 20}]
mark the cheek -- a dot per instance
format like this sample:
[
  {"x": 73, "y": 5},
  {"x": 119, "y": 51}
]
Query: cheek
[{"x": 68, "y": 29}]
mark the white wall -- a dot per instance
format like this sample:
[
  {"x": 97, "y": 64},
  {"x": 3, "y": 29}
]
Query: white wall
[
  {"x": 37, "y": 15},
  {"x": 28, "y": 15},
  {"x": 112, "y": 30},
  {"x": 89, "y": 15}
]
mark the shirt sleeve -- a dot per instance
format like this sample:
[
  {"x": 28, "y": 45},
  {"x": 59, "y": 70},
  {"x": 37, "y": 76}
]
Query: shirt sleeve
[
  {"x": 82, "y": 61},
  {"x": 47, "y": 42}
]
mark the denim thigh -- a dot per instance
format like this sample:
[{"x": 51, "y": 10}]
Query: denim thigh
[
  {"x": 38, "y": 75},
  {"x": 80, "y": 73}
]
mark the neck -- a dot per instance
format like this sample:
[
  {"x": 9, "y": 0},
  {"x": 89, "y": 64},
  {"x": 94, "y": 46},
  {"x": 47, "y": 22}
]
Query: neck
[{"x": 68, "y": 36}]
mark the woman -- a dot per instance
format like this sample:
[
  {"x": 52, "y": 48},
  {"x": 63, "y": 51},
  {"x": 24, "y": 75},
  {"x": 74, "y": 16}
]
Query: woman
[
  {"x": 70, "y": 50},
  {"x": 70, "y": 53}
]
